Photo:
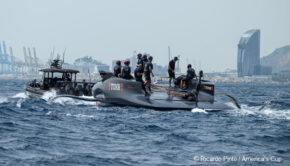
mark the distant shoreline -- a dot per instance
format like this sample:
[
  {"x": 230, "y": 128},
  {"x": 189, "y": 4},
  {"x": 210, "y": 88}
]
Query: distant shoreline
[{"x": 163, "y": 79}]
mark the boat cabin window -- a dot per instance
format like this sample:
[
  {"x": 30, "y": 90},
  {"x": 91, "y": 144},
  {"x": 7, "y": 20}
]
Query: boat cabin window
[
  {"x": 67, "y": 77},
  {"x": 58, "y": 75},
  {"x": 45, "y": 76},
  {"x": 54, "y": 76}
]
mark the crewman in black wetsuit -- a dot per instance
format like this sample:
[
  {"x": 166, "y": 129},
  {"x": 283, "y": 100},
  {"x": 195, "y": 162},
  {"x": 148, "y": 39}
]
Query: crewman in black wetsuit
[
  {"x": 145, "y": 60},
  {"x": 140, "y": 61},
  {"x": 84, "y": 87},
  {"x": 117, "y": 69},
  {"x": 138, "y": 73},
  {"x": 171, "y": 69},
  {"x": 190, "y": 74},
  {"x": 126, "y": 71},
  {"x": 148, "y": 72},
  {"x": 67, "y": 77},
  {"x": 85, "y": 84}
]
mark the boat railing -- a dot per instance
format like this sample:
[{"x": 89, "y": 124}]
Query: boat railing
[
  {"x": 76, "y": 82},
  {"x": 75, "y": 87}
]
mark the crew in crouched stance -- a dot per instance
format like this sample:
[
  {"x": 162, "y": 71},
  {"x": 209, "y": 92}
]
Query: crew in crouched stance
[
  {"x": 138, "y": 73},
  {"x": 126, "y": 71},
  {"x": 140, "y": 62},
  {"x": 117, "y": 69},
  {"x": 148, "y": 72},
  {"x": 190, "y": 74}
]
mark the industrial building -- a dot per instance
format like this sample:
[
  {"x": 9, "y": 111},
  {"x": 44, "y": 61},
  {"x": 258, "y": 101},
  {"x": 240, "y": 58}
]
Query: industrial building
[
  {"x": 249, "y": 53},
  {"x": 4, "y": 60},
  {"x": 89, "y": 65},
  {"x": 9, "y": 64},
  {"x": 31, "y": 62}
]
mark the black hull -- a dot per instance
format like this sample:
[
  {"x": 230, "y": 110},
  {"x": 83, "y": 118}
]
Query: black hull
[
  {"x": 37, "y": 92},
  {"x": 117, "y": 91}
]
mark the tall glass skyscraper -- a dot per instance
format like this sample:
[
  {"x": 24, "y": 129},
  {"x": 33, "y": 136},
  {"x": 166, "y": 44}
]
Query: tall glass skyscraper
[{"x": 248, "y": 53}]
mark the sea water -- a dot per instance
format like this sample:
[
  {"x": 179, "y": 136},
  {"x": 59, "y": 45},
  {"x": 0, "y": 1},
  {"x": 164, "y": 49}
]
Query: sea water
[{"x": 72, "y": 132}]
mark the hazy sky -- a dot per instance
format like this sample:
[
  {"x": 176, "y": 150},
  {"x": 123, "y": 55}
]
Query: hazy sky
[{"x": 201, "y": 31}]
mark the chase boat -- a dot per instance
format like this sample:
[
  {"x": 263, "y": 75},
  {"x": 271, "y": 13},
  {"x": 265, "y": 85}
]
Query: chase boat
[{"x": 62, "y": 81}]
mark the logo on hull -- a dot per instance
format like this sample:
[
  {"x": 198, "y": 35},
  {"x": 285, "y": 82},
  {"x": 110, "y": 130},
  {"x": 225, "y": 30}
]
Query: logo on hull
[{"x": 116, "y": 87}]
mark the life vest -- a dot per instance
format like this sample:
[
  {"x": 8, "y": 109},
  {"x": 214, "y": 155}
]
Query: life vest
[
  {"x": 172, "y": 64},
  {"x": 190, "y": 73},
  {"x": 138, "y": 77},
  {"x": 117, "y": 70},
  {"x": 147, "y": 66},
  {"x": 126, "y": 72}
]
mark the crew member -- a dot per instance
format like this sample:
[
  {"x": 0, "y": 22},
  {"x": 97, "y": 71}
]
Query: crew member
[
  {"x": 148, "y": 72},
  {"x": 140, "y": 61},
  {"x": 117, "y": 68},
  {"x": 171, "y": 68},
  {"x": 190, "y": 74},
  {"x": 84, "y": 87},
  {"x": 84, "y": 84},
  {"x": 138, "y": 73},
  {"x": 126, "y": 71},
  {"x": 145, "y": 60},
  {"x": 177, "y": 81},
  {"x": 67, "y": 77}
]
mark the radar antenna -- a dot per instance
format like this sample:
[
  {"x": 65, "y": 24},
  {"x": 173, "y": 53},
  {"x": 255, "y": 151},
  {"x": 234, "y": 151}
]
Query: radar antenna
[
  {"x": 63, "y": 54},
  {"x": 56, "y": 63}
]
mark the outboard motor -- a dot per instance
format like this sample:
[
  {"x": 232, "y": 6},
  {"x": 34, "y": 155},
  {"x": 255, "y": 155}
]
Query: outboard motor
[
  {"x": 205, "y": 89},
  {"x": 199, "y": 82}
]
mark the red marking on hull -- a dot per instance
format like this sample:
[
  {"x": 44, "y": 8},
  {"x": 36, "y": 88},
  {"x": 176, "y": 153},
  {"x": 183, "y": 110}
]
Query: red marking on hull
[{"x": 122, "y": 87}]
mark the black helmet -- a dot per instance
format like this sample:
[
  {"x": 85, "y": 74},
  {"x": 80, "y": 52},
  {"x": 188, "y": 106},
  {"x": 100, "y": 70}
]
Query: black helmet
[
  {"x": 176, "y": 58},
  {"x": 118, "y": 62},
  {"x": 127, "y": 62}
]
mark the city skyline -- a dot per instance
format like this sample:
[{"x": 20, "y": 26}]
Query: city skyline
[{"x": 202, "y": 32}]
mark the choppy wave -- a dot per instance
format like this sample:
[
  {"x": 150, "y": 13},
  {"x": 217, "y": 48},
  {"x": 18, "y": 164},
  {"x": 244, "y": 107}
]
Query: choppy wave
[
  {"x": 3, "y": 100},
  {"x": 49, "y": 95},
  {"x": 267, "y": 112},
  {"x": 22, "y": 95},
  {"x": 198, "y": 110},
  {"x": 69, "y": 101},
  {"x": 80, "y": 115},
  {"x": 66, "y": 131}
]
